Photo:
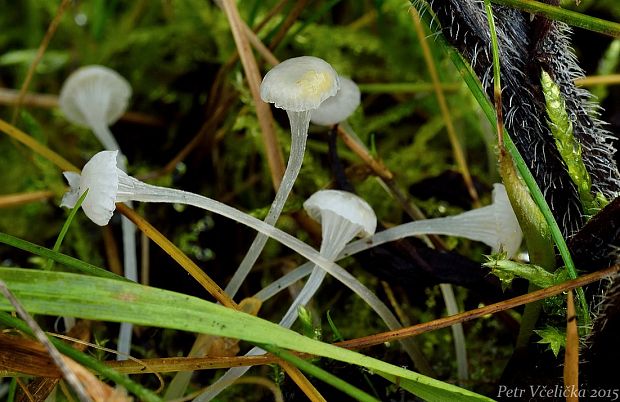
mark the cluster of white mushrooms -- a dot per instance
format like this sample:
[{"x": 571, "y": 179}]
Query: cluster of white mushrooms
[{"x": 309, "y": 89}]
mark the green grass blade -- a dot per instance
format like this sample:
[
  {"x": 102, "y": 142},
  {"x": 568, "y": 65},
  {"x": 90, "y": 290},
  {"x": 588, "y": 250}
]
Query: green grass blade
[
  {"x": 570, "y": 17},
  {"x": 61, "y": 293},
  {"x": 63, "y": 259},
  {"x": 321, "y": 374},
  {"x": 65, "y": 227}
]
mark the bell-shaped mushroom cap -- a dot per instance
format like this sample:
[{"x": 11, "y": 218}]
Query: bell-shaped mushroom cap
[
  {"x": 344, "y": 204},
  {"x": 509, "y": 234},
  {"x": 340, "y": 106},
  {"x": 94, "y": 92},
  {"x": 299, "y": 84},
  {"x": 100, "y": 177}
]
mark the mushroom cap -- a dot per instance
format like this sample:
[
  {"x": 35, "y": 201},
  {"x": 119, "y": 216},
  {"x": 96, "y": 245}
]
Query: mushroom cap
[
  {"x": 344, "y": 204},
  {"x": 340, "y": 106},
  {"x": 506, "y": 224},
  {"x": 100, "y": 177},
  {"x": 94, "y": 92},
  {"x": 299, "y": 84}
]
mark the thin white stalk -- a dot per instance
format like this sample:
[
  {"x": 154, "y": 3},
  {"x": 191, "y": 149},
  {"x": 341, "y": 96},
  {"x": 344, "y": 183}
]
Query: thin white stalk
[
  {"x": 336, "y": 233},
  {"x": 139, "y": 191},
  {"x": 458, "y": 335},
  {"x": 130, "y": 259},
  {"x": 299, "y": 132},
  {"x": 130, "y": 264},
  {"x": 284, "y": 282},
  {"x": 105, "y": 137},
  {"x": 462, "y": 225}
]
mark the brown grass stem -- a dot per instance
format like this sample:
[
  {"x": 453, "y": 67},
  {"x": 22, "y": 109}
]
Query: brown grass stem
[{"x": 39, "y": 55}]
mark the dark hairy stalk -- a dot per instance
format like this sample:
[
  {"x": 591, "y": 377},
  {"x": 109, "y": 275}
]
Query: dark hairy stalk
[{"x": 527, "y": 47}]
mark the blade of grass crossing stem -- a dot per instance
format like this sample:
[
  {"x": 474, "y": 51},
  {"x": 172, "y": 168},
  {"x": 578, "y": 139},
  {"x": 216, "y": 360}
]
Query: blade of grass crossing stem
[
  {"x": 570, "y": 17},
  {"x": 476, "y": 88},
  {"x": 63, "y": 259},
  {"x": 58, "y": 293},
  {"x": 321, "y": 374},
  {"x": 50, "y": 263},
  {"x": 87, "y": 361}
]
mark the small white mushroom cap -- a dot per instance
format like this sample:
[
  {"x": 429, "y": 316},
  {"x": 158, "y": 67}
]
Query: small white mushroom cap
[
  {"x": 101, "y": 177},
  {"x": 299, "y": 84},
  {"x": 346, "y": 206},
  {"x": 340, "y": 106},
  {"x": 93, "y": 93}
]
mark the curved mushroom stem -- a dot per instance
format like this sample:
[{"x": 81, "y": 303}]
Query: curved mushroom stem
[
  {"x": 461, "y": 225},
  {"x": 105, "y": 137},
  {"x": 299, "y": 133},
  {"x": 132, "y": 189}
]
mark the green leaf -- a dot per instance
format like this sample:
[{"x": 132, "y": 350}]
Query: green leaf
[
  {"x": 50, "y": 263},
  {"x": 507, "y": 270},
  {"x": 59, "y": 293},
  {"x": 58, "y": 257},
  {"x": 552, "y": 336}
]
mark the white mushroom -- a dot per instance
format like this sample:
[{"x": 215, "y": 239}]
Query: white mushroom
[
  {"x": 106, "y": 182},
  {"x": 95, "y": 97},
  {"x": 339, "y": 107},
  {"x": 299, "y": 86},
  {"x": 495, "y": 225},
  {"x": 342, "y": 216}
]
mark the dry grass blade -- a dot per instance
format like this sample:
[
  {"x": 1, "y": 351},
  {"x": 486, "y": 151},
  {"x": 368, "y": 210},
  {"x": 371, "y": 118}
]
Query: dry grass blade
[
  {"x": 11, "y": 97},
  {"x": 253, "y": 76},
  {"x": 111, "y": 251},
  {"x": 414, "y": 330},
  {"x": 291, "y": 17},
  {"x": 12, "y": 200},
  {"x": 40, "y": 52},
  {"x": 174, "y": 364},
  {"x": 37, "y": 147},
  {"x": 40, "y": 388},
  {"x": 384, "y": 174},
  {"x": 174, "y": 252},
  {"x": 457, "y": 149},
  {"x": 207, "y": 363},
  {"x": 611, "y": 79},
  {"x": 146, "y": 227},
  {"x": 68, "y": 373},
  {"x": 571, "y": 356},
  {"x": 302, "y": 382}
]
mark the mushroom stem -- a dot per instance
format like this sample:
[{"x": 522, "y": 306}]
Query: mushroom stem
[
  {"x": 336, "y": 234},
  {"x": 300, "y": 122},
  {"x": 482, "y": 224},
  {"x": 105, "y": 137},
  {"x": 130, "y": 188},
  {"x": 130, "y": 262}
]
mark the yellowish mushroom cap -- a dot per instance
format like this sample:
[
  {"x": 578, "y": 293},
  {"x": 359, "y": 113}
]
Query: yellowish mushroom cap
[{"x": 299, "y": 84}]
